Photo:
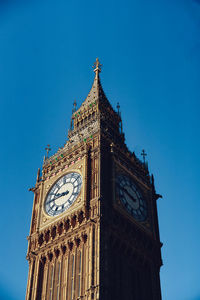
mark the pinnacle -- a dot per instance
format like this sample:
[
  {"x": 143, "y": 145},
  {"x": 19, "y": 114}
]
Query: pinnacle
[{"x": 96, "y": 92}]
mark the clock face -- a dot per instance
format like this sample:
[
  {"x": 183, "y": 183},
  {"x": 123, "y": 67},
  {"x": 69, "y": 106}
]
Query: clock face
[
  {"x": 131, "y": 198},
  {"x": 63, "y": 194}
]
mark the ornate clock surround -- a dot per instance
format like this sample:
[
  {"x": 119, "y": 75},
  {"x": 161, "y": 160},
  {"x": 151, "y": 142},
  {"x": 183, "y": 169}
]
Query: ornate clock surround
[{"x": 124, "y": 165}]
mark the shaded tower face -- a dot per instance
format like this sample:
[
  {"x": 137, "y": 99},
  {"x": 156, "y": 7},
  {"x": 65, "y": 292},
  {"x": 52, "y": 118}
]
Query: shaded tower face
[{"x": 94, "y": 228}]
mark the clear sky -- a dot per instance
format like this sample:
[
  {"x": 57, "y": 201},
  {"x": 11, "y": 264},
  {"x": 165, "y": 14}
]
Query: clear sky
[{"x": 150, "y": 51}]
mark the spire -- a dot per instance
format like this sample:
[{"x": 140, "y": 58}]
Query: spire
[{"x": 96, "y": 92}]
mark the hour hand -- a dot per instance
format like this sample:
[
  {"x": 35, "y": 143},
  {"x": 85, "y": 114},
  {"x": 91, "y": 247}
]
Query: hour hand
[
  {"x": 64, "y": 193},
  {"x": 130, "y": 196}
]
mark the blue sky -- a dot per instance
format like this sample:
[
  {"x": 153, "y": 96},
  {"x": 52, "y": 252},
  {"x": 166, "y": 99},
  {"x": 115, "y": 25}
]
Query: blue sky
[{"x": 150, "y": 51}]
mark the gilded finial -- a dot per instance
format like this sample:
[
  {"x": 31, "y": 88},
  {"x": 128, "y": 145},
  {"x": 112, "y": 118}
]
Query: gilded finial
[
  {"x": 97, "y": 66},
  {"x": 74, "y": 106},
  {"x": 48, "y": 149}
]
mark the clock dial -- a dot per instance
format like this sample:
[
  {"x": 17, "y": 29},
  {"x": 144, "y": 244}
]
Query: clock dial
[
  {"x": 131, "y": 198},
  {"x": 63, "y": 194}
]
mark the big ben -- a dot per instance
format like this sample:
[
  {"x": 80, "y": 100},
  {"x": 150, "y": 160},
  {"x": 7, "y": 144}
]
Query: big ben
[{"x": 94, "y": 230}]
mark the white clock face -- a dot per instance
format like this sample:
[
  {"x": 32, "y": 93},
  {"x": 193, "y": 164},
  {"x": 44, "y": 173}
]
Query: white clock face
[
  {"x": 63, "y": 194},
  {"x": 131, "y": 198}
]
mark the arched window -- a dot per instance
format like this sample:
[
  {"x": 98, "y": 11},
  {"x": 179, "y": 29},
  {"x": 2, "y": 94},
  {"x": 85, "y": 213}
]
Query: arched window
[
  {"x": 79, "y": 273},
  {"x": 72, "y": 277},
  {"x": 58, "y": 280},
  {"x": 40, "y": 280},
  {"x": 51, "y": 277}
]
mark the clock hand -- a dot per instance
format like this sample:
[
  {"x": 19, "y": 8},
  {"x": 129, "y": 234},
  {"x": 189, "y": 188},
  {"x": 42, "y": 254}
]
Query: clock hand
[
  {"x": 61, "y": 194},
  {"x": 64, "y": 193},
  {"x": 130, "y": 196},
  {"x": 49, "y": 201},
  {"x": 56, "y": 196}
]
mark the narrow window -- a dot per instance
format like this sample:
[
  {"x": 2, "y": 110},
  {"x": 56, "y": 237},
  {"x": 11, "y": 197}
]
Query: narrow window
[
  {"x": 93, "y": 254},
  {"x": 47, "y": 285},
  {"x": 40, "y": 281},
  {"x": 67, "y": 277},
  {"x": 79, "y": 274},
  {"x": 58, "y": 280},
  {"x": 72, "y": 278},
  {"x": 51, "y": 283},
  {"x": 83, "y": 270}
]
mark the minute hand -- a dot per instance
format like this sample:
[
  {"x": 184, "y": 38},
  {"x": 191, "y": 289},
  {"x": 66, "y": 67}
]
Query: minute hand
[
  {"x": 61, "y": 194},
  {"x": 134, "y": 200}
]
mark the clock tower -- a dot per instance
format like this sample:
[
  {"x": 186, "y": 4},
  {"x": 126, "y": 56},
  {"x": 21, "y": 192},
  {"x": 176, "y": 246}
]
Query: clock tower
[{"x": 94, "y": 230}]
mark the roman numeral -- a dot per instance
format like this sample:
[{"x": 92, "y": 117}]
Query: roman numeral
[
  {"x": 57, "y": 185},
  {"x": 74, "y": 194},
  {"x": 49, "y": 201},
  {"x": 53, "y": 207},
  {"x": 49, "y": 211}
]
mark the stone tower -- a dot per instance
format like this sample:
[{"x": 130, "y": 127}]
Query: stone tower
[{"x": 94, "y": 229}]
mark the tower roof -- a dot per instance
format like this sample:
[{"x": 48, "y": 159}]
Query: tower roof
[{"x": 96, "y": 92}]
